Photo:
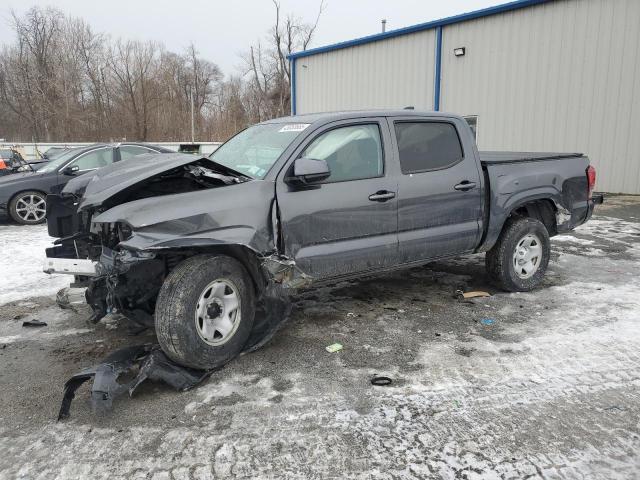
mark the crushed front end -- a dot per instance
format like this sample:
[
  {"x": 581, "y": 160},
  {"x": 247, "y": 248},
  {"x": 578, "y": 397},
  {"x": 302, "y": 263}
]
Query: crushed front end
[
  {"x": 117, "y": 280},
  {"x": 121, "y": 236}
]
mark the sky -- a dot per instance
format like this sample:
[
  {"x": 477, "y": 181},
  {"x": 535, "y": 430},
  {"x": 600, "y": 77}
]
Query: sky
[{"x": 222, "y": 30}]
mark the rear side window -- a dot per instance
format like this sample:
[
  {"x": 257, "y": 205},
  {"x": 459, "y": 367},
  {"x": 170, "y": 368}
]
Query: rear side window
[
  {"x": 128, "y": 151},
  {"x": 352, "y": 153},
  {"x": 427, "y": 146}
]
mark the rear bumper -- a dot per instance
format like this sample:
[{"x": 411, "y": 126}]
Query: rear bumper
[{"x": 596, "y": 199}]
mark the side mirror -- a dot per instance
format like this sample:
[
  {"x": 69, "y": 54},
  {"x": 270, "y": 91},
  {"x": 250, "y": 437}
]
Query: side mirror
[
  {"x": 70, "y": 170},
  {"x": 307, "y": 171}
]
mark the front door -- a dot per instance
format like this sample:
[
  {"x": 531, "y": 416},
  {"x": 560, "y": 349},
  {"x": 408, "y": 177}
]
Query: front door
[
  {"x": 348, "y": 223},
  {"x": 439, "y": 189}
]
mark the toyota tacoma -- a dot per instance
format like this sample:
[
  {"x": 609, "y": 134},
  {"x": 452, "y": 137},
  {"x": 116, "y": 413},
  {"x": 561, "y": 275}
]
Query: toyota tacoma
[{"x": 208, "y": 249}]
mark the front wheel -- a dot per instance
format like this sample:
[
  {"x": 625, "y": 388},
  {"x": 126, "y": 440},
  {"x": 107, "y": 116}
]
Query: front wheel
[
  {"x": 519, "y": 259},
  {"x": 205, "y": 311},
  {"x": 28, "y": 208}
]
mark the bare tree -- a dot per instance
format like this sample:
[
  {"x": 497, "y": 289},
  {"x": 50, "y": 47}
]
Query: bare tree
[
  {"x": 268, "y": 68},
  {"x": 134, "y": 66},
  {"x": 60, "y": 80}
]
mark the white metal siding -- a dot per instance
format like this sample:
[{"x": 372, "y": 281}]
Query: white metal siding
[
  {"x": 564, "y": 75},
  {"x": 393, "y": 73},
  {"x": 561, "y": 76}
]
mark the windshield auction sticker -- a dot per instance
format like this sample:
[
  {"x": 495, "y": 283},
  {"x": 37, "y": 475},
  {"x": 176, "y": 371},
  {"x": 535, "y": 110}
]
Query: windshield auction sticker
[{"x": 294, "y": 127}]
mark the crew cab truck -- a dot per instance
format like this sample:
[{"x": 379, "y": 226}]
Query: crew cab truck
[{"x": 204, "y": 247}]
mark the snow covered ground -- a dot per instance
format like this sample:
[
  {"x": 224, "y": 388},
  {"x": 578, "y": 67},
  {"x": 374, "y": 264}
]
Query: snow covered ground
[
  {"x": 550, "y": 389},
  {"x": 21, "y": 255}
]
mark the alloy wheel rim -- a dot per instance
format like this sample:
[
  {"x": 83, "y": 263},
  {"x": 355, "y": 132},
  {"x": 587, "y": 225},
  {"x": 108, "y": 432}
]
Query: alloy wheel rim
[
  {"x": 527, "y": 256},
  {"x": 31, "y": 208},
  {"x": 217, "y": 314}
]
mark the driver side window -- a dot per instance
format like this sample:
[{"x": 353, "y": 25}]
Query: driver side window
[
  {"x": 352, "y": 153},
  {"x": 95, "y": 159}
]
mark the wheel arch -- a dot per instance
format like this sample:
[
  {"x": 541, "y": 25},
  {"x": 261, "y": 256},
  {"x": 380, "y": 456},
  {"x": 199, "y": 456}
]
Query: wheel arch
[
  {"x": 543, "y": 209},
  {"x": 44, "y": 194},
  {"x": 542, "y": 206},
  {"x": 247, "y": 257}
]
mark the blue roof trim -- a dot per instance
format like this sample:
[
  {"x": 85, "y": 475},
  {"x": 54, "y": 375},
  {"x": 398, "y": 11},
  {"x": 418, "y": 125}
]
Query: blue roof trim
[{"x": 485, "y": 12}]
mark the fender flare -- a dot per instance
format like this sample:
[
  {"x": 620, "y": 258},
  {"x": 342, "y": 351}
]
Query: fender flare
[{"x": 500, "y": 213}]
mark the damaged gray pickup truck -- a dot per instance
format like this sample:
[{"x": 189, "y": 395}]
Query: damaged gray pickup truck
[{"x": 207, "y": 249}]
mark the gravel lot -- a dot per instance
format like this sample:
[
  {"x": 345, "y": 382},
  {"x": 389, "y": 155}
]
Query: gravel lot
[{"x": 550, "y": 389}]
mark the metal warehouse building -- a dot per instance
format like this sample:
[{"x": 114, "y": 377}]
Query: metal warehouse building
[{"x": 539, "y": 75}]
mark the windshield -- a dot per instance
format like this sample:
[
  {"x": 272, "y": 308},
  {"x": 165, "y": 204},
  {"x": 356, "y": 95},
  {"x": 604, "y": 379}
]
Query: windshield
[
  {"x": 253, "y": 151},
  {"x": 59, "y": 160}
]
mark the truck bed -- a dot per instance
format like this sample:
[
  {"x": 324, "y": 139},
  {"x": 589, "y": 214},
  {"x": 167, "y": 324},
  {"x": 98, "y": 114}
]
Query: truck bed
[{"x": 514, "y": 157}]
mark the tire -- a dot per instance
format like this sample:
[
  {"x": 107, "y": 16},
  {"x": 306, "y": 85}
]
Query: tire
[
  {"x": 507, "y": 263},
  {"x": 28, "y": 208},
  {"x": 189, "y": 332}
]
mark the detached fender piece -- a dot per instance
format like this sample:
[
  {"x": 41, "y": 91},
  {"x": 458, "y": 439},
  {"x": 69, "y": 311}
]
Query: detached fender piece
[{"x": 153, "y": 365}]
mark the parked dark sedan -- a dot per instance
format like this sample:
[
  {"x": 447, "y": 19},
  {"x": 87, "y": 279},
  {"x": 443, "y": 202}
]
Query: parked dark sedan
[{"x": 23, "y": 195}]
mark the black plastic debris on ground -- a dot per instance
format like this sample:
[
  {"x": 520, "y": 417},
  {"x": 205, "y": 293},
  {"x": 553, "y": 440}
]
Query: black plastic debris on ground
[
  {"x": 380, "y": 381},
  {"x": 34, "y": 323},
  {"x": 151, "y": 364}
]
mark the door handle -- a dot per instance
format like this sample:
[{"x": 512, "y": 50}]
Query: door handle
[
  {"x": 465, "y": 185},
  {"x": 382, "y": 196}
]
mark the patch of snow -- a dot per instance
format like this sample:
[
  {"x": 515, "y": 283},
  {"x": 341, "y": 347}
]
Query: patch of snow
[
  {"x": 22, "y": 250},
  {"x": 572, "y": 239},
  {"x": 9, "y": 339},
  {"x": 68, "y": 331}
]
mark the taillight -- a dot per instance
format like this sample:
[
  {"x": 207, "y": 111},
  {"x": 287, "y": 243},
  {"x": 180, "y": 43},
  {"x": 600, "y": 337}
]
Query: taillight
[{"x": 591, "y": 179}]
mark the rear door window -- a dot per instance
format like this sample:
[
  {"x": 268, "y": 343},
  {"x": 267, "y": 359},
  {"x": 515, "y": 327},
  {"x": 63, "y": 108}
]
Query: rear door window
[
  {"x": 425, "y": 146},
  {"x": 128, "y": 151}
]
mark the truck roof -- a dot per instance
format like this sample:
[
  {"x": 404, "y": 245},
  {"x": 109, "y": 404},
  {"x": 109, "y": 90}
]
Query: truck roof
[{"x": 324, "y": 117}]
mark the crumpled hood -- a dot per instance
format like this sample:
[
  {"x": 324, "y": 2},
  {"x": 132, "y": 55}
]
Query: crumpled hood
[{"x": 112, "y": 179}]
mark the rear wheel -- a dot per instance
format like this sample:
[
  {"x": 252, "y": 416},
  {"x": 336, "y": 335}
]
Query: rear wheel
[
  {"x": 28, "y": 208},
  {"x": 519, "y": 259},
  {"x": 205, "y": 311}
]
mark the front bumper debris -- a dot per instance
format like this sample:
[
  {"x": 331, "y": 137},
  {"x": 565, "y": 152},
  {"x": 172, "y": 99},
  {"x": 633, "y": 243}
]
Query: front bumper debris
[
  {"x": 151, "y": 364},
  {"x": 70, "y": 296},
  {"x": 70, "y": 266}
]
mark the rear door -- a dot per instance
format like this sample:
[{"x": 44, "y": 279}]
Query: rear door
[
  {"x": 439, "y": 188},
  {"x": 348, "y": 223}
]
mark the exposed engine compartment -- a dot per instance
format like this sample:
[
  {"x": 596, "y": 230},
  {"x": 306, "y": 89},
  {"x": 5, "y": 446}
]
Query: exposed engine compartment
[{"x": 185, "y": 178}]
